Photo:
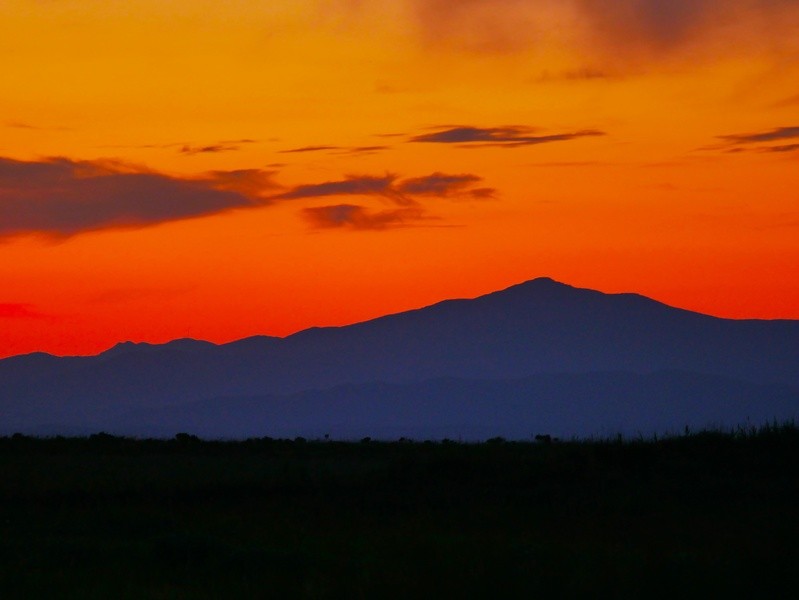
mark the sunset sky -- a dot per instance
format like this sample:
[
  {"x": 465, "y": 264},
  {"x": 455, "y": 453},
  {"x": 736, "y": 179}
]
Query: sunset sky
[{"x": 215, "y": 170}]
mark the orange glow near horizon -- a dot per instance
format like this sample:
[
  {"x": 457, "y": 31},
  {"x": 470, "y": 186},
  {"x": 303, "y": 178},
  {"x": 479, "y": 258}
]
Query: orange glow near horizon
[{"x": 197, "y": 169}]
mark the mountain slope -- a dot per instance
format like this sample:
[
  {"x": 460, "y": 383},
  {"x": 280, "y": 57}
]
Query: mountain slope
[
  {"x": 588, "y": 404},
  {"x": 537, "y": 327}
]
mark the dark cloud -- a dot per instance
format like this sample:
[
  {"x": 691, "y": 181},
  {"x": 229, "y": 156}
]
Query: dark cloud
[
  {"x": 782, "y": 148},
  {"x": 336, "y": 149},
  {"x": 620, "y": 28},
  {"x": 774, "y": 135},
  {"x": 759, "y": 141},
  {"x": 352, "y": 185},
  {"x": 19, "y": 311},
  {"x": 309, "y": 149},
  {"x": 483, "y": 193},
  {"x": 442, "y": 185},
  {"x": 62, "y": 197},
  {"x": 662, "y": 23},
  {"x": 255, "y": 184},
  {"x": 364, "y": 149},
  {"x": 779, "y": 149},
  {"x": 353, "y": 216},
  {"x": 406, "y": 194},
  {"x": 510, "y": 136},
  {"x": 212, "y": 149},
  {"x": 190, "y": 149},
  {"x": 403, "y": 192}
]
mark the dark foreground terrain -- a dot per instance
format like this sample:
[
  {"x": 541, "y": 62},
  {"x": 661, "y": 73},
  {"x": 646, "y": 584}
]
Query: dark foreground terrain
[{"x": 699, "y": 515}]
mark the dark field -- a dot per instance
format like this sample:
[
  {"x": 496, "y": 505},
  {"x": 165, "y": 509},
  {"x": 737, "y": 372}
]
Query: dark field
[{"x": 700, "y": 515}]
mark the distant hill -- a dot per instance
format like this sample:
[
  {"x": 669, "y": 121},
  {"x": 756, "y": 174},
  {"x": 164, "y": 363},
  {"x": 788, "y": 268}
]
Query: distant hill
[{"x": 541, "y": 355}]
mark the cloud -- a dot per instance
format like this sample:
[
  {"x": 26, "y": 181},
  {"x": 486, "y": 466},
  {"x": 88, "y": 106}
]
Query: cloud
[
  {"x": 19, "y": 311},
  {"x": 336, "y": 149},
  {"x": 61, "y": 197},
  {"x": 353, "y": 216},
  {"x": 211, "y": 149},
  {"x": 759, "y": 141},
  {"x": 581, "y": 74},
  {"x": 511, "y": 136},
  {"x": 403, "y": 192},
  {"x": 442, "y": 185},
  {"x": 364, "y": 149},
  {"x": 406, "y": 194},
  {"x": 779, "y": 149},
  {"x": 30, "y": 126},
  {"x": 780, "y": 133},
  {"x": 20, "y": 125},
  {"x": 782, "y": 148},
  {"x": 191, "y": 149},
  {"x": 309, "y": 149},
  {"x": 255, "y": 184},
  {"x": 619, "y": 29},
  {"x": 352, "y": 185},
  {"x": 483, "y": 193}
]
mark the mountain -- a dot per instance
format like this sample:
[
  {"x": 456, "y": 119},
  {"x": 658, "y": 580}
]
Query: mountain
[{"x": 528, "y": 332}]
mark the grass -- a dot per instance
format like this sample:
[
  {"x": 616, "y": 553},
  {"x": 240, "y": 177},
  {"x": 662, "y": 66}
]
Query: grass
[{"x": 704, "y": 514}]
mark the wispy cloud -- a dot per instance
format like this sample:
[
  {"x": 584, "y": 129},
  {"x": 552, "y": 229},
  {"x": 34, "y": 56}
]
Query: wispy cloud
[
  {"x": 190, "y": 148},
  {"x": 353, "y": 216},
  {"x": 336, "y": 149},
  {"x": 617, "y": 28},
  {"x": 210, "y": 149},
  {"x": 60, "y": 197},
  {"x": 758, "y": 141},
  {"x": 20, "y": 125},
  {"x": 352, "y": 185},
  {"x": 31, "y": 126},
  {"x": 303, "y": 149},
  {"x": 408, "y": 196},
  {"x": 781, "y": 148},
  {"x": 256, "y": 184},
  {"x": 773, "y": 135},
  {"x": 572, "y": 75},
  {"x": 364, "y": 149},
  {"x": 442, "y": 185},
  {"x": 403, "y": 192},
  {"x": 511, "y": 136}
]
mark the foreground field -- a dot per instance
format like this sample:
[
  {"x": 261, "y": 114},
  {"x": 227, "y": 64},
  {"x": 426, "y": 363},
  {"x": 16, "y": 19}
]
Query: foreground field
[{"x": 699, "y": 515}]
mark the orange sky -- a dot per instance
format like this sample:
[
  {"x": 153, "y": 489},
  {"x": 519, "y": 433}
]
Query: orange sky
[{"x": 176, "y": 168}]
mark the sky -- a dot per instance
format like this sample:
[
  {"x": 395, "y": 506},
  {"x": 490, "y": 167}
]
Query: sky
[{"x": 216, "y": 170}]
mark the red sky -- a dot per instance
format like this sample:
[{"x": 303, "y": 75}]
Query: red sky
[{"x": 219, "y": 170}]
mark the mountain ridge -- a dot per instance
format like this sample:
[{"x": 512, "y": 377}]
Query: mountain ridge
[{"x": 531, "y": 329}]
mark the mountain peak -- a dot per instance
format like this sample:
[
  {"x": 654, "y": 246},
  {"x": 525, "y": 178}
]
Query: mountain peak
[
  {"x": 545, "y": 282},
  {"x": 537, "y": 286}
]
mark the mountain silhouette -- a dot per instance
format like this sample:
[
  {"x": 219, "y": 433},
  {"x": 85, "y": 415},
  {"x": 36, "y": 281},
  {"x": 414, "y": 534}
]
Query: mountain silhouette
[{"x": 528, "y": 332}]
